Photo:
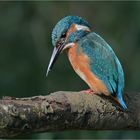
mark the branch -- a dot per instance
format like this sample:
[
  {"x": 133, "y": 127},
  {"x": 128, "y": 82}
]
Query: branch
[{"x": 66, "y": 111}]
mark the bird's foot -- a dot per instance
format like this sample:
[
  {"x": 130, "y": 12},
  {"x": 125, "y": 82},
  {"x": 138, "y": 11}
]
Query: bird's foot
[{"x": 89, "y": 91}]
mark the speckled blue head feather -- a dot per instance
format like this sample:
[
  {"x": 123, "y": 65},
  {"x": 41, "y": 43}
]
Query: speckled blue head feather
[{"x": 64, "y": 24}]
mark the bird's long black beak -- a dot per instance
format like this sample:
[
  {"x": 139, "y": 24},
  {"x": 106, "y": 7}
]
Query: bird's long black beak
[{"x": 57, "y": 50}]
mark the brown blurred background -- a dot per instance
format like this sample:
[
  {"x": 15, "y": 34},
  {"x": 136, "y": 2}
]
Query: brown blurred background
[{"x": 25, "y": 50}]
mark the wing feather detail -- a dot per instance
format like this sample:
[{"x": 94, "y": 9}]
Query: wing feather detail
[{"x": 103, "y": 62}]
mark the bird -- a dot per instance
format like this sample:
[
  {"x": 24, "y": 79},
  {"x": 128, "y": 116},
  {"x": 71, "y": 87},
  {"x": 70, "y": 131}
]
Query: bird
[{"x": 91, "y": 57}]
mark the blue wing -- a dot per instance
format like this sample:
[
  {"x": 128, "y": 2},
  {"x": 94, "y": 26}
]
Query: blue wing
[{"x": 104, "y": 63}]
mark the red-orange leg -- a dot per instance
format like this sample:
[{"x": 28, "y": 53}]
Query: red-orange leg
[{"x": 89, "y": 91}]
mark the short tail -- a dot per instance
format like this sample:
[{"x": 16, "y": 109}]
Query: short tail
[{"x": 121, "y": 102}]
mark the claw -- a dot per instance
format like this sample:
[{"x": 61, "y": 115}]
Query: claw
[{"x": 89, "y": 91}]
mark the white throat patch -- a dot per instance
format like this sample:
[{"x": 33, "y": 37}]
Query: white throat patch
[{"x": 69, "y": 45}]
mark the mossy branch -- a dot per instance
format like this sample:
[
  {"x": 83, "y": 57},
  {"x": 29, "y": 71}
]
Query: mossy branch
[{"x": 65, "y": 111}]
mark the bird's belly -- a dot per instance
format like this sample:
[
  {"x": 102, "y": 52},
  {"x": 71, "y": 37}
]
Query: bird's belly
[{"x": 80, "y": 63}]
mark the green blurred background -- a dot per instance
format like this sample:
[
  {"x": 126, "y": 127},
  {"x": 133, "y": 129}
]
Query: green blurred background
[{"x": 25, "y": 50}]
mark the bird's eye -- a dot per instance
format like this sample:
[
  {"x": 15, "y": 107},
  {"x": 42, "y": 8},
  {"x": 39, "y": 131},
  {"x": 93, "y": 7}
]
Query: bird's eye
[{"x": 63, "y": 35}]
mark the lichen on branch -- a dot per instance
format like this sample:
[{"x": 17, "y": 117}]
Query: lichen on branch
[{"x": 66, "y": 111}]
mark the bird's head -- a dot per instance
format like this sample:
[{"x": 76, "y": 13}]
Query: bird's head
[{"x": 65, "y": 34}]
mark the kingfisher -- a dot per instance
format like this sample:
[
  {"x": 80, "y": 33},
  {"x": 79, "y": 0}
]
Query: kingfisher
[{"x": 90, "y": 55}]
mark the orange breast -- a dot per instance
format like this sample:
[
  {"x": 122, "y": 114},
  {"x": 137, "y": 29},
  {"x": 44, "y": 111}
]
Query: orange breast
[{"x": 80, "y": 63}]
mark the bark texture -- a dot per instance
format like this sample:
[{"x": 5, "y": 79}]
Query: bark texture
[{"x": 65, "y": 111}]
